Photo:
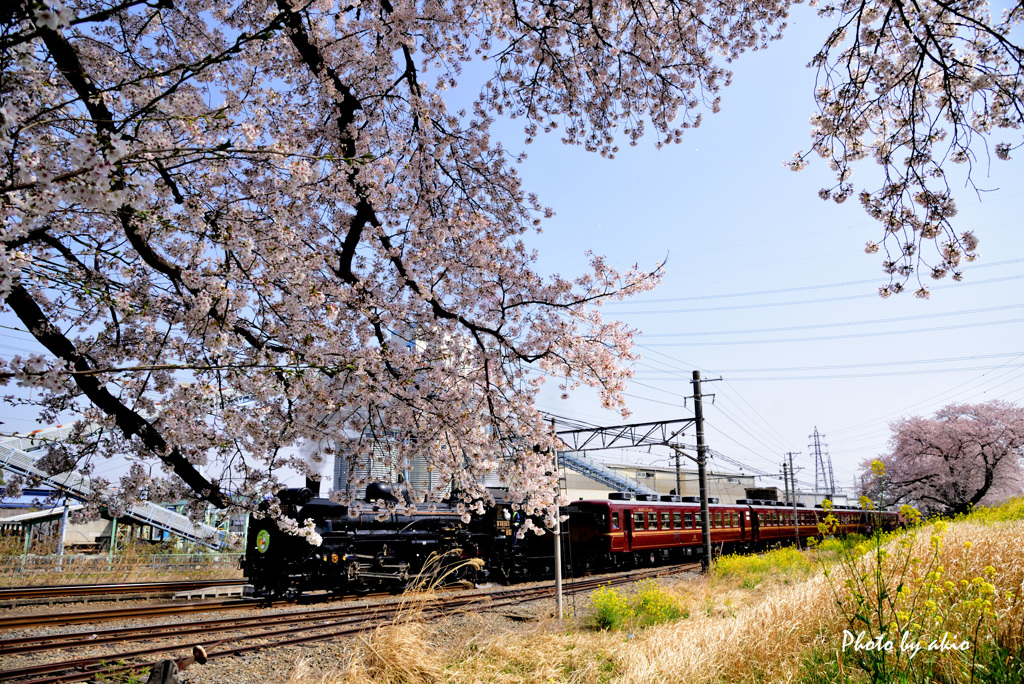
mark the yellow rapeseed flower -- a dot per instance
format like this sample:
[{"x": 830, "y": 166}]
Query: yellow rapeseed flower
[
  {"x": 910, "y": 514},
  {"x": 878, "y": 468}
]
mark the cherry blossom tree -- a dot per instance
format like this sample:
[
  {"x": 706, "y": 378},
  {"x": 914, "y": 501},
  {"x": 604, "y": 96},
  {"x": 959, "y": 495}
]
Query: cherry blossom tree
[
  {"x": 916, "y": 86},
  {"x": 967, "y": 454},
  {"x": 205, "y": 201}
]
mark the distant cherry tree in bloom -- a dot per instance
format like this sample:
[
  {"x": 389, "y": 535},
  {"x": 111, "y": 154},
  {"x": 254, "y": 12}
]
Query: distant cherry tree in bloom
[
  {"x": 205, "y": 201},
  {"x": 966, "y": 455}
]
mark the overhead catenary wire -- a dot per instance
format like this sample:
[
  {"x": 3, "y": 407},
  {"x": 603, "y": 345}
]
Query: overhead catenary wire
[
  {"x": 801, "y": 288},
  {"x": 822, "y": 338},
  {"x": 841, "y": 324},
  {"x": 795, "y": 302}
]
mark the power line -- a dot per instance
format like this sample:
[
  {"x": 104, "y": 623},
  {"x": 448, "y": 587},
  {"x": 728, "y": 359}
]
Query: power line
[
  {"x": 763, "y": 305},
  {"x": 890, "y": 374},
  {"x": 820, "y": 338},
  {"x": 875, "y": 364},
  {"x": 786, "y": 290},
  {"x": 815, "y": 326}
]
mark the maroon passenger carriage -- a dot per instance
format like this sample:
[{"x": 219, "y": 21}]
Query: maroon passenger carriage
[{"x": 649, "y": 530}]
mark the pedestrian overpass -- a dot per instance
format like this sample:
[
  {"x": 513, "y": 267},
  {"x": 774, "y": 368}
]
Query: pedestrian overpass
[{"x": 16, "y": 456}]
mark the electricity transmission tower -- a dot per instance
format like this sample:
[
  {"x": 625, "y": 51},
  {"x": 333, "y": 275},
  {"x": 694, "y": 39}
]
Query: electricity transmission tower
[{"x": 823, "y": 480}]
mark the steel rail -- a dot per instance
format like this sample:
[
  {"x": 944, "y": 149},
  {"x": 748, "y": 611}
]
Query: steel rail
[
  {"x": 109, "y": 614},
  {"x": 86, "y": 668},
  {"x": 49, "y": 591},
  {"x": 49, "y": 642}
]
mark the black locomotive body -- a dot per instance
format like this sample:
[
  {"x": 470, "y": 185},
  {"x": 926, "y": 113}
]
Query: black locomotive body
[{"x": 379, "y": 549}]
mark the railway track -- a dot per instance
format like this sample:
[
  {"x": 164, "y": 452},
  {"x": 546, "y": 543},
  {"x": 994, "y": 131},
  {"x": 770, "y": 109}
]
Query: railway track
[
  {"x": 235, "y": 636},
  {"x": 66, "y": 590},
  {"x": 86, "y": 617}
]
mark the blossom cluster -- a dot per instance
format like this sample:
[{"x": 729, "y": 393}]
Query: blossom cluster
[
  {"x": 204, "y": 201},
  {"x": 913, "y": 87}
]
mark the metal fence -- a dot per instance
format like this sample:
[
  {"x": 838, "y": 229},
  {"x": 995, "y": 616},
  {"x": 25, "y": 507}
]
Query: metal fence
[{"x": 55, "y": 569}]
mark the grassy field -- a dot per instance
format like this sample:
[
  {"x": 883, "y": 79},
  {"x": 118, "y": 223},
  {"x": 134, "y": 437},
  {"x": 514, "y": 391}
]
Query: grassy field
[{"x": 938, "y": 603}]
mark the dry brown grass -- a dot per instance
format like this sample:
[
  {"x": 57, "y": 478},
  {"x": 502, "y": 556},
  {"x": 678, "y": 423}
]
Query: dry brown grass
[
  {"x": 137, "y": 563},
  {"x": 732, "y": 635},
  {"x": 395, "y": 654}
]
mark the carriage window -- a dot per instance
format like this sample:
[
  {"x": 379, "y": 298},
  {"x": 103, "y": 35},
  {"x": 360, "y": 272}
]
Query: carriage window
[
  {"x": 696, "y": 520},
  {"x": 615, "y": 521},
  {"x": 652, "y": 521},
  {"x": 638, "y": 521},
  {"x": 677, "y": 521},
  {"x": 664, "y": 521},
  {"x": 689, "y": 521},
  {"x": 718, "y": 519}
]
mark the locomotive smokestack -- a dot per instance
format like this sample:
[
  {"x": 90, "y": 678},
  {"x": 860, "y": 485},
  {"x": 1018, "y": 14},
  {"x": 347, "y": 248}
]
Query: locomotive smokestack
[{"x": 313, "y": 486}]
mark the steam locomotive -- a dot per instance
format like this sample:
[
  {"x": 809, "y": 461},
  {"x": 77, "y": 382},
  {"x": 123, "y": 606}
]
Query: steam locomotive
[{"x": 377, "y": 548}]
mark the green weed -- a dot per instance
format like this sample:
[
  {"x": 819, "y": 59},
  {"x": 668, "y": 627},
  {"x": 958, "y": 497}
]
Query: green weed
[{"x": 649, "y": 605}]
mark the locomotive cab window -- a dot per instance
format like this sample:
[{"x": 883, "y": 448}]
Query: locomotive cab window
[{"x": 615, "y": 520}]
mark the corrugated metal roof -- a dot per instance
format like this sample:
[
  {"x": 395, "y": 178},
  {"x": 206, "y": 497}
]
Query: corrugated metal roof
[{"x": 41, "y": 515}]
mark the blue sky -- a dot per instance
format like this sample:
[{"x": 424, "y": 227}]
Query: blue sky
[{"x": 732, "y": 220}]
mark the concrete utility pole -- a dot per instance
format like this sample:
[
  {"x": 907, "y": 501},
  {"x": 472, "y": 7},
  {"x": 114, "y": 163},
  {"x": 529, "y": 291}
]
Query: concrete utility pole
[
  {"x": 679, "y": 475},
  {"x": 557, "y": 530},
  {"x": 796, "y": 514},
  {"x": 785, "y": 479},
  {"x": 702, "y": 462},
  {"x": 63, "y": 537}
]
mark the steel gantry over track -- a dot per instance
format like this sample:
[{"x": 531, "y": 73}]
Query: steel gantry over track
[
  {"x": 578, "y": 441},
  {"x": 658, "y": 433}
]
